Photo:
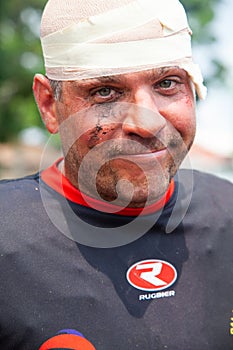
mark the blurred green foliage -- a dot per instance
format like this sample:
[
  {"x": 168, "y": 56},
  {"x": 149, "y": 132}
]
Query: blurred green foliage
[
  {"x": 21, "y": 57},
  {"x": 201, "y": 13}
]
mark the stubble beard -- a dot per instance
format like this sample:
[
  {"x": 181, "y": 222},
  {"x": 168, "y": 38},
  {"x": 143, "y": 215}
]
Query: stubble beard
[
  {"x": 121, "y": 180},
  {"x": 126, "y": 183}
]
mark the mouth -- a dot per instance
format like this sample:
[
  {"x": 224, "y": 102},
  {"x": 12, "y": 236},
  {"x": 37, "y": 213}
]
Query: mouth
[{"x": 144, "y": 156}]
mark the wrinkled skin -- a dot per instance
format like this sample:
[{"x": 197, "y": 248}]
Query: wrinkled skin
[{"x": 123, "y": 136}]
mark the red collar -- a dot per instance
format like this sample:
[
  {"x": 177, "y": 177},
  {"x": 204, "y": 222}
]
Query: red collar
[{"x": 58, "y": 182}]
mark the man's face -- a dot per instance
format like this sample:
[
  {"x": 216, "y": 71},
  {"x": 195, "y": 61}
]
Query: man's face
[{"x": 125, "y": 136}]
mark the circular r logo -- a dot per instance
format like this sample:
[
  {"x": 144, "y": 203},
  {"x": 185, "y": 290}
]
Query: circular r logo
[{"x": 151, "y": 275}]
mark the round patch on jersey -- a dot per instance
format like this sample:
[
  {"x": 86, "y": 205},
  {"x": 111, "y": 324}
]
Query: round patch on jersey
[
  {"x": 152, "y": 275},
  {"x": 67, "y": 339}
]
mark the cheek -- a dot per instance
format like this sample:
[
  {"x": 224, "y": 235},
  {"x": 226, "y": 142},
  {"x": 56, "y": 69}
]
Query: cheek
[
  {"x": 182, "y": 116},
  {"x": 91, "y": 138},
  {"x": 70, "y": 106},
  {"x": 188, "y": 127},
  {"x": 98, "y": 135}
]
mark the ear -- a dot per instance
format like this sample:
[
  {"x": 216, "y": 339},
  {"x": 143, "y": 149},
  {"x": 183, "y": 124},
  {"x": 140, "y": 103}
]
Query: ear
[{"x": 46, "y": 103}]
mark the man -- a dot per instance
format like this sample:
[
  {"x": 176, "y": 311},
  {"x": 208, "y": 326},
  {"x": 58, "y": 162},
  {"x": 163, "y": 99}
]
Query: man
[{"x": 113, "y": 247}]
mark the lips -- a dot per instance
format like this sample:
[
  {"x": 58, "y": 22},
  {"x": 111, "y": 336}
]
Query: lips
[
  {"x": 145, "y": 160},
  {"x": 151, "y": 153},
  {"x": 134, "y": 148}
]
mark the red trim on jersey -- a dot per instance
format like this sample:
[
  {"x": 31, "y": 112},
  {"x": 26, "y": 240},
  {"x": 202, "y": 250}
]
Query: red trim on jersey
[{"x": 53, "y": 177}]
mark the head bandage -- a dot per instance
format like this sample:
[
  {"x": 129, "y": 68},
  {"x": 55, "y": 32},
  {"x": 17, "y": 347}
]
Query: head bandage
[{"x": 84, "y": 39}]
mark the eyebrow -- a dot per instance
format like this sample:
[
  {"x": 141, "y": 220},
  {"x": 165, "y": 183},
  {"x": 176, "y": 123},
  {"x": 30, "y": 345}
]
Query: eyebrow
[
  {"x": 104, "y": 79},
  {"x": 153, "y": 73},
  {"x": 157, "y": 72}
]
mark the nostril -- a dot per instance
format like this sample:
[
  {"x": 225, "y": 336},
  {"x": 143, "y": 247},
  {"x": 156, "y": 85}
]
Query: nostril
[{"x": 132, "y": 134}]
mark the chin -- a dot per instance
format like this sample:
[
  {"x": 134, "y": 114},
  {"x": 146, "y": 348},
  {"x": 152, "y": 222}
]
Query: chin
[{"x": 142, "y": 194}]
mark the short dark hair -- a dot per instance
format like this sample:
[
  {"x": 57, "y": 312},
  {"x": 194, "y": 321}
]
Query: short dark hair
[{"x": 56, "y": 86}]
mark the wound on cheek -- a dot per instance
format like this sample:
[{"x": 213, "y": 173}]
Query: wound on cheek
[{"x": 96, "y": 136}]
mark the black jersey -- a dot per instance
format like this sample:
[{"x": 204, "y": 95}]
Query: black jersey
[{"x": 169, "y": 288}]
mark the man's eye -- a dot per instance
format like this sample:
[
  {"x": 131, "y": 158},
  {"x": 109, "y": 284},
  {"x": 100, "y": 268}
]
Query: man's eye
[
  {"x": 104, "y": 92},
  {"x": 166, "y": 84}
]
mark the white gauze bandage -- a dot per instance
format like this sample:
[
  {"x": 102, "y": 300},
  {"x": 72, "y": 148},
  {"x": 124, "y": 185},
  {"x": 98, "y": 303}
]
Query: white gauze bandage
[{"x": 88, "y": 39}]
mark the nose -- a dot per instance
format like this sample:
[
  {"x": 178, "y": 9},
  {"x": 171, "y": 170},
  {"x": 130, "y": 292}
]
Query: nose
[{"x": 143, "y": 117}]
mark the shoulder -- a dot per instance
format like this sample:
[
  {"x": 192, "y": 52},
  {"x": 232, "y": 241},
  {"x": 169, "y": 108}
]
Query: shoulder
[
  {"x": 21, "y": 213},
  {"x": 212, "y": 186},
  {"x": 18, "y": 182},
  {"x": 15, "y": 191},
  {"x": 211, "y": 196},
  {"x": 207, "y": 185}
]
